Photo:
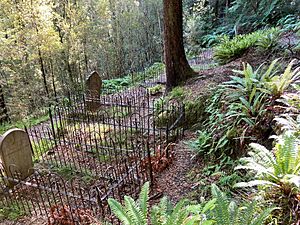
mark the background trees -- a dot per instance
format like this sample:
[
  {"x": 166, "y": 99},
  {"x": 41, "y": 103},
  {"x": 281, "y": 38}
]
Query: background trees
[
  {"x": 206, "y": 19},
  {"x": 50, "y": 46}
]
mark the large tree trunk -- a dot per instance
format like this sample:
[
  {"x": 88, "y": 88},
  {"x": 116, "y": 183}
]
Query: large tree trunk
[{"x": 177, "y": 66}]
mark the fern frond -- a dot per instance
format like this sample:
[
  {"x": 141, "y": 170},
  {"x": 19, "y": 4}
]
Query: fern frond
[
  {"x": 255, "y": 183},
  {"x": 221, "y": 210},
  {"x": 178, "y": 214},
  {"x": 261, "y": 218},
  {"x": 119, "y": 211},
  {"x": 134, "y": 212},
  {"x": 143, "y": 199},
  {"x": 159, "y": 213}
]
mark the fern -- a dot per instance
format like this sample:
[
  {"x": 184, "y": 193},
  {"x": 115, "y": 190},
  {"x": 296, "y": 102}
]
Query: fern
[
  {"x": 143, "y": 199},
  {"x": 132, "y": 213},
  {"x": 227, "y": 212},
  {"x": 119, "y": 211},
  {"x": 219, "y": 210},
  {"x": 280, "y": 169}
]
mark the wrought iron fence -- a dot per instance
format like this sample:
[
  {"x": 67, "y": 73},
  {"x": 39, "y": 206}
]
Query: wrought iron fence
[{"x": 92, "y": 149}]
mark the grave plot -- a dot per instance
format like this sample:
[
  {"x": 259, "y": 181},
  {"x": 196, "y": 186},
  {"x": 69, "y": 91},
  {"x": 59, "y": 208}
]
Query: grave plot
[{"x": 85, "y": 155}]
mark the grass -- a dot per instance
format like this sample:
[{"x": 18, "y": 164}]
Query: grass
[
  {"x": 12, "y": 212},
  {"x": 40, "y": 147},
  {"x": 101, "y": 155},
  {"x": 21, "y": 123},
  {"x": 69, "y": 172}
]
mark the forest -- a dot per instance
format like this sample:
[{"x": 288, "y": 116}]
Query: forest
[{"x": 158, "y": 112}]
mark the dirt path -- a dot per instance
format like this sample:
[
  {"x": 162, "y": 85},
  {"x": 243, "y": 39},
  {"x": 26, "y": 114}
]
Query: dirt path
[{"x": 173, "y": 182}]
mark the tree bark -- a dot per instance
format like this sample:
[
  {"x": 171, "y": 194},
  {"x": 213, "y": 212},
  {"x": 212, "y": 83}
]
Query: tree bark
[
  {"x": 177, "y": 66},
  {"x": 3, "y": 110}
]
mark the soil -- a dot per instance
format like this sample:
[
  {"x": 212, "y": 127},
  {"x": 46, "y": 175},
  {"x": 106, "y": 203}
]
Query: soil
[{"x": 174, "y": 182}]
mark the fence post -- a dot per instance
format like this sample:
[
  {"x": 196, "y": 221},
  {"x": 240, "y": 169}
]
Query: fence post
[
  {"x": 52, "y": 125},
  {"x": 150, "y": 164}
]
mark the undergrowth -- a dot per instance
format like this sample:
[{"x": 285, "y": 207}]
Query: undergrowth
[
  {"x": 20, "y": 124},
  {"x": 242, "y": 110},
  {"x": 118, "y": 84},
  {"x": 229, "y": 49}
]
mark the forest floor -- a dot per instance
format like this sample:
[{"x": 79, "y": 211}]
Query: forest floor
[
  {"x": 177, "y": 182},
  {"x": 174, "y": 182}
]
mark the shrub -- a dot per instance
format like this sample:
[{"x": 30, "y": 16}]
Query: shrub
[{"x": 230, "y": 49}]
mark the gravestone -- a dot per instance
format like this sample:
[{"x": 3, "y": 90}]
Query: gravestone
[
  {"x": 93, "y": 87},
  {"x": 94, "y": 84},
  {"x": 16, "y": 154}
]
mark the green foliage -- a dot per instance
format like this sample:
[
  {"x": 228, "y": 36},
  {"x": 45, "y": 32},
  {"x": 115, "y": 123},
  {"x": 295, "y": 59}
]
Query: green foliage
[
  {"x": 41, "y": 147},
  {"x": 276, "y": 173},
  {"x": 115, "y": 85},
  {"x": 48, "y": 47},
  {"x": 252, "y": 15},
  {"x": 69, "y": 172},
  {"x": 156, "y": 89},
  {"x": 269, "y": 41},
  {"x": 228, "y": 212},
  {"x": 165, "y": 214},
  {"x": 289, "y": 23},
  {"x": 290, "y": 119},
  {"x": 278, "y": 84},
  {"x": 20, "y": 124},
  {"x": 219, "y": 210},
  {"x": 238, "y": 107},
  {"x": 221, "y": 173},
  {"x": 194, "y": 107},
  {"x": 177, "y": 93},
  {"x": 132, "y": 213},
  {"x": 12, "y": 212},
  {"x": 278, "y": 169},
  {"x": 230, "y": 49}
]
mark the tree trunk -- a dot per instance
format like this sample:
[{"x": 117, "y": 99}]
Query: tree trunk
[
  {"x": 217, "y": 10},
  {"x": 3, "y": 110},
  {"x": 43, "y": 73},
  {"x": 177, "y": 66}
]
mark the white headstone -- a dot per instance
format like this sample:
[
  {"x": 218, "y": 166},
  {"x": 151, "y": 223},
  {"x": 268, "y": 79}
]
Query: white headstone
[{"x": 16, "y": 154}]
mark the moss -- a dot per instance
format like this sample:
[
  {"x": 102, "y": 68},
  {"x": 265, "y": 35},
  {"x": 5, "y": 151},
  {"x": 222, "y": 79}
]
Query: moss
[
  {"x": 157, "y": 89},
  {"x": 194, "y": 108}
]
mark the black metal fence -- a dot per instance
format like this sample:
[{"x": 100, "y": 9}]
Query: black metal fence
[{"x": 92, "y": 149}]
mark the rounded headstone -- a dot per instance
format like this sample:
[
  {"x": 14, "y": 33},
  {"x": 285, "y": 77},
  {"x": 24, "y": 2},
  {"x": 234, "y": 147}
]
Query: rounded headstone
[{"x": 16, "y": 154}]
